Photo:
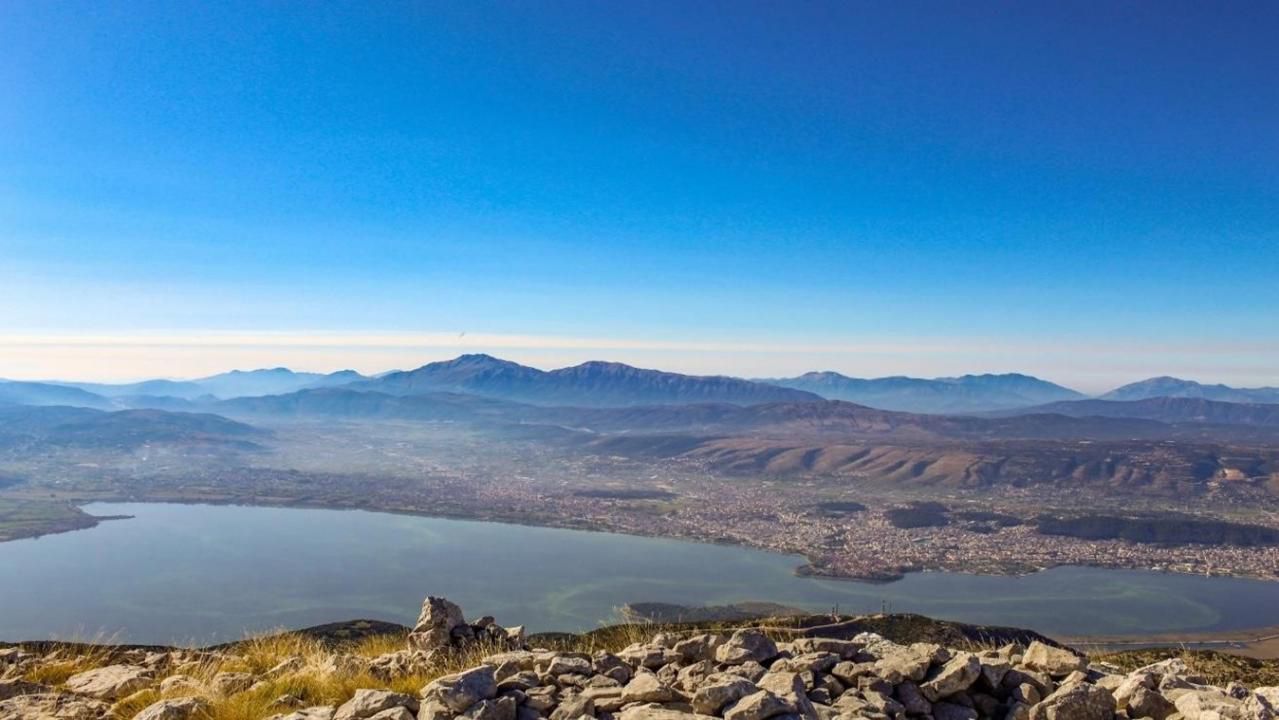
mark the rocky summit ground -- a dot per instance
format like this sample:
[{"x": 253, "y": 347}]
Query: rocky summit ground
[{"x": 448, "y": 668}]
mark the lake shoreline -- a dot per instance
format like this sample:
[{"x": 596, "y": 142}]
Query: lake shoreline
[
  {"x": 806, "y": 569},
  {"x": 596, "y": 577}
]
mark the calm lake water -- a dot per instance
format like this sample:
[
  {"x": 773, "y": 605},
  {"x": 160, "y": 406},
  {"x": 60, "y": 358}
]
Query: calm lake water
[{"x": 200, "y": 573}]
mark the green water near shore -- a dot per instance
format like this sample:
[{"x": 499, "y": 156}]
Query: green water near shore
[{"x": 205, "y": 573}]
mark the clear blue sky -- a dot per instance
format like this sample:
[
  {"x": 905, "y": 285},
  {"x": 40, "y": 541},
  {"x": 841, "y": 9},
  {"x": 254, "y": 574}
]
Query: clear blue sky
[{"x": 1085, "y": 190}]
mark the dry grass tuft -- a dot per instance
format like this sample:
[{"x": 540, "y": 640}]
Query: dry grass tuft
[
  {"x": 70, "y": 660},
  {"x": 1217, "y": 668},
  {"x": 375, "y": 645},
  {"x": 135, "y": 703}
]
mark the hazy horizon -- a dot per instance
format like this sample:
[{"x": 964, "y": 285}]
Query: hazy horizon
[{"x": 569, "y": 351}]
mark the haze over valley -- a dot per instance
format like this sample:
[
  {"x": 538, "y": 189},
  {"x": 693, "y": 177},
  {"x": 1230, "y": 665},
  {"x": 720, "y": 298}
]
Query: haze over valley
[{"x": 607, "y": 446}]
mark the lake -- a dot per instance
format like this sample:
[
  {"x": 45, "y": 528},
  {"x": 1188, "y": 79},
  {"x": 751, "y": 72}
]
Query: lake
[{"x": 204, "y": 573}]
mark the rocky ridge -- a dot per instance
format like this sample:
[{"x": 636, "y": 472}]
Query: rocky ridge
[{"x": 745, "y": 675}]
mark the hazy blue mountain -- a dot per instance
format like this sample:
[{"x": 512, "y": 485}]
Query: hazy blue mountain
[
  {"x": 165, "y": 402},
  {"x": 1168, "y": 410},
  {"x": 26, "y": 425},
  {"x": 272, "y": 381},
  {"x": 965, "y": 394},
  {"x": 34, "y": 393},
  {"x": 591, "y": 384},
  {"x": 1176, "y": 387},
  {"x": 685, "y": 423},
  {"x": 146, "y": 388},
  {"x": 237, "y": 383},
  {"x": 343, "y": 403}
]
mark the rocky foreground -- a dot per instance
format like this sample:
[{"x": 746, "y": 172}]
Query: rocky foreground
[{"x": 743, "y": 675}]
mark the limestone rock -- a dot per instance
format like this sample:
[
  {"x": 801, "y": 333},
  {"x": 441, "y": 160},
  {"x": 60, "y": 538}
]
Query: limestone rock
[
  {"x": 111, "y": 682},
  {"x": 657, "y": 712},
  {"x": 52, "y": 706},
  {"x": 912, "y": 699},
  {"x": 698, "y": 647},
  {"x": 646, "y": 688},
  {"x": 230, "y": 683},
  {"x": 645, "y": 655},
  {"x": 1257, "y": 707},
  {"x": 1054, "y": 661},
  {"x": 1194, "y": 703},
  {"x": 179, "y": 709},
  {"x": 14, "y": 688},
  {"x": 436, "y": 624},
  {"x": 850, "y": 705},
  {"x": 287, "y": 666},
  {"x": 906, "y": 664},
  {"x": 1129, "y": 686},
  {"x": 750, "y": 670},
  {"x": 1146, "y": 702},
  {"x": 579, "y": 706},
  {"x": 569, "y": 665},
  {"x": 1076, "y": 702},
  {"x": 368, "y": 703},
  {"x": 315, "y": 712},
  {"x": 434, "y": 710},
  {"x": 790, "y": 688},
  {"x": 959, "y": 673},
  {"x": 460, "y": 691},
  {"x": 757, "y": 706},
  {"x": 719, "y": 690},
  {"x": 745, "y": 645},
  {"x": 845, "y": 649},
  {"x": 181, "y": 685},
  {"x": 812, "y": 662},
  {"x": 502, "y": 708}
]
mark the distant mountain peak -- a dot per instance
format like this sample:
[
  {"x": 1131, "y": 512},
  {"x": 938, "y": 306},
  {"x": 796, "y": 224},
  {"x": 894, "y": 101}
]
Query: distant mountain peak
[
  {"x": 1167, "y": 386},
  {"x": 595, "y": 383},
  {"x": 260, "y": 371},
  {"x": 470, "y": 360}
]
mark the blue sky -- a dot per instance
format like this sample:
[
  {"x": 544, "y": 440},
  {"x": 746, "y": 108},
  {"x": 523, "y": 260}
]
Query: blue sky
[{"x": 1087, "y": 191}]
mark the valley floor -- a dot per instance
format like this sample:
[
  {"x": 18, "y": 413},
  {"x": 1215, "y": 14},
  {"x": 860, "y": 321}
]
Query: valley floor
[{"x": 846, "y": 527}]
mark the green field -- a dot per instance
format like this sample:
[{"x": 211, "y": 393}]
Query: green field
[{"x": 31, "y": 518}]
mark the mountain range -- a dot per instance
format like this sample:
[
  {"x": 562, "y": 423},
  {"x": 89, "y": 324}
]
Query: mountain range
[
  {"x": 725, "y": 424},
  {"x": 1176, "y": 387},
  {"x": 237, "y": 383},
  {"x": 964, "y": 394},
  {"x": 606, "y": 384},
  {"x": 591, "y": 384},
  {"x": 829, "y": 420},
  {"x": 1166, "y": 410},
  {"x": 17, "y": 392},
  {"x": 58, "y": 426}
]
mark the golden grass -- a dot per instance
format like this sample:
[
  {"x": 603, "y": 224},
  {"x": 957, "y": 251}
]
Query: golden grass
[
  {"x": 325, "y": 677},
  {"x": 261, "y": 653},
  {"x": 310, "y": 688},
  {"x": 375, "y": 645},
  {"x": 1217, "y": 668},
  {"x": 135, "y": 703},
  {"x": 70, "y": 660}
]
